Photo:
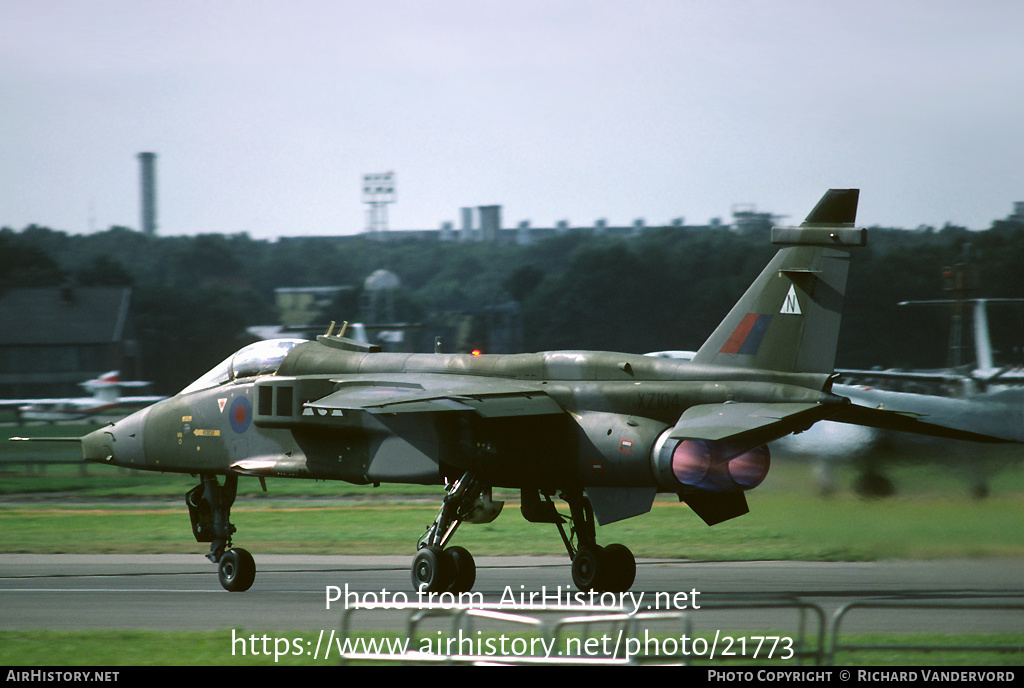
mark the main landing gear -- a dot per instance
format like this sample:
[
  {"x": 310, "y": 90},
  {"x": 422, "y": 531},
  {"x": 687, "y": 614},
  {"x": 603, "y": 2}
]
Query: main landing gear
[
  {"x": 209, "y": 507},
  {"x": 437, "y": 569},
  {"x": 601, "y": 569}
]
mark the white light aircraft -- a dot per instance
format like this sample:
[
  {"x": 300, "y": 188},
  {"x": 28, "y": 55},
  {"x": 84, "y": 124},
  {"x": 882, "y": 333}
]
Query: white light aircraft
[{"x": 106, "y": 397}]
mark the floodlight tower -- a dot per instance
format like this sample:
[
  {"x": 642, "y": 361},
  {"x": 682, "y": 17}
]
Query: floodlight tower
[{"x": 378, "y": 191}]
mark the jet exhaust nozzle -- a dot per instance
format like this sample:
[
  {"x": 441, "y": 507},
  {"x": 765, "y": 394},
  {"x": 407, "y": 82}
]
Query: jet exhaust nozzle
[{"x": 709, "y": 465}]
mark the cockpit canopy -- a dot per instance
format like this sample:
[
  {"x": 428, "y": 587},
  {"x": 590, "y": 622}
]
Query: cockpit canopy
[{"x": 261, "y": 358}]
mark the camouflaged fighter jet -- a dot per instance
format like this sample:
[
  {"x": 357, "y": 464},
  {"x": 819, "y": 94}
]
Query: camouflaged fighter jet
[{"x": 603, "y": 431}]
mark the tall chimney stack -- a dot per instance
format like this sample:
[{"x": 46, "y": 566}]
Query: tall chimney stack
[{"x": 147, "y": 164}]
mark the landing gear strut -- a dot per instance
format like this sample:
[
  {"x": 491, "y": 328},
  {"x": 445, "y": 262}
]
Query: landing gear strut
[
  {"x": 209, "y": 507},
  {"x": 603, "y": 569},
  {"x": 436, "y": 569}
]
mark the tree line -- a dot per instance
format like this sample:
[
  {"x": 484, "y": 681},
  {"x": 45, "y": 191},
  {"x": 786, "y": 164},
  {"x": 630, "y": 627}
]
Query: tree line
[{"x": 666, "y": 288}]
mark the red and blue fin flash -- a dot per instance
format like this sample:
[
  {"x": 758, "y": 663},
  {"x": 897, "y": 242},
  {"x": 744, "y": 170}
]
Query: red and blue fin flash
[{"x": 747, "y": 337}]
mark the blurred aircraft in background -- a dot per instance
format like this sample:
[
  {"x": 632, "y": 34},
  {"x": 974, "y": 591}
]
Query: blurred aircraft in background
[
  {"x": 106, "y": 397},
  {"x": 980, "y": 397},
  {"x": 998, "y": 413}
]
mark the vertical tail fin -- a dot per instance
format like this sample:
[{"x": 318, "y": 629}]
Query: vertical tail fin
[{"x": 788, "y": 320}]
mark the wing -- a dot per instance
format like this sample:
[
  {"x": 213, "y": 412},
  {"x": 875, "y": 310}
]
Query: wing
[
  {"x": 488, "y": 397},
  {"x": 395, "y": 432}
]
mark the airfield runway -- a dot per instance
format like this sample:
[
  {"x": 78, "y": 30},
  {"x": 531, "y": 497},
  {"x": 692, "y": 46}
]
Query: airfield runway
[{"x": 181, "y": 592}]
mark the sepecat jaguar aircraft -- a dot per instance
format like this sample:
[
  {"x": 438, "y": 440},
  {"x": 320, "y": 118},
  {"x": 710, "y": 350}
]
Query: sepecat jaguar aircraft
[{"x": 605, "y": 432}]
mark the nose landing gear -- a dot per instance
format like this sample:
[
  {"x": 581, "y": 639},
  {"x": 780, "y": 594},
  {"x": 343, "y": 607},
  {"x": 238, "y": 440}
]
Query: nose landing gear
[{"x": 209, "y": 507}]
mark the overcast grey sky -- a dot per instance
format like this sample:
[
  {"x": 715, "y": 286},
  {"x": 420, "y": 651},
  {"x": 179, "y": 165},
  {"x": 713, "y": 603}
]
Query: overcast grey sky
[{"x": 265, "y": 115}]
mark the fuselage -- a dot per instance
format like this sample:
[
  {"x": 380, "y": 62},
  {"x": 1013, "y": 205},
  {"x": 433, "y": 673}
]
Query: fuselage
[{"x": 611, "y": 410}]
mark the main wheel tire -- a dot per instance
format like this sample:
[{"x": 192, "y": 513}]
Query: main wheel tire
[
  {"x": 431, "y": 570},
  {"x": 620, "y": 568},
  {"x": 463, "y": 569},
  {"x": 587, "y": 567},
  {"x": 236, "y": 570}
]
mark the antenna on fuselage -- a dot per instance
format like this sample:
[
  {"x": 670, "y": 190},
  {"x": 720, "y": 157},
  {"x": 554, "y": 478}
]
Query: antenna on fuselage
[
  {"x": 338, "y": 341},
  {"x": 341, "y": 333}
]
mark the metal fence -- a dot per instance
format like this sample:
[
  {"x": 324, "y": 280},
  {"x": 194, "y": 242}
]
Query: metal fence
[
  {"x": 988, "y": 608},
  {"x": 604, "y": 636}
]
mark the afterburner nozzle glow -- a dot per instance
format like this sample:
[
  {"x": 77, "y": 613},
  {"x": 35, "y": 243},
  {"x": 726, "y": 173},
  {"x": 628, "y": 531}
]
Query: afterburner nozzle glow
[{"x": 714, "y": 465}]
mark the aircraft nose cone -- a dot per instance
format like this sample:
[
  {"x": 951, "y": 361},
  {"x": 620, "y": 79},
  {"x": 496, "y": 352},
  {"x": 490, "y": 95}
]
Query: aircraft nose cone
[
  {"x": 119, "y": 443},
  {"x": 98, "y": 446}
]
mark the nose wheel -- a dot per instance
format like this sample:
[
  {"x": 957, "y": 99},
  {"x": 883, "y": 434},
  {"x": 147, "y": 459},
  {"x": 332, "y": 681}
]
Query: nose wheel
[{"x": 236, "y": 570}]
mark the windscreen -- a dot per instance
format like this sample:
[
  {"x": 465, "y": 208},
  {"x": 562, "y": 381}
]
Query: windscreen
[{"x": 261, "y": 358}]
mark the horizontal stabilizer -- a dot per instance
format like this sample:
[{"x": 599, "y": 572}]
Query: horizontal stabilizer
[
  {"x": 907, "y": 421},
  {"x": 948, "y": 376},
  {"x": 747, "y": 423}
]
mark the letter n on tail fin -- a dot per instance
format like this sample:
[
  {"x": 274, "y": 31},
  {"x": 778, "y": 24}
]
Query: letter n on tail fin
[{"x": 788, "y": 320}]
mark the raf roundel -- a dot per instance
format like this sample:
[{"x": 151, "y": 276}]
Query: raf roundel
[{"x": 240, "y": 414}]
